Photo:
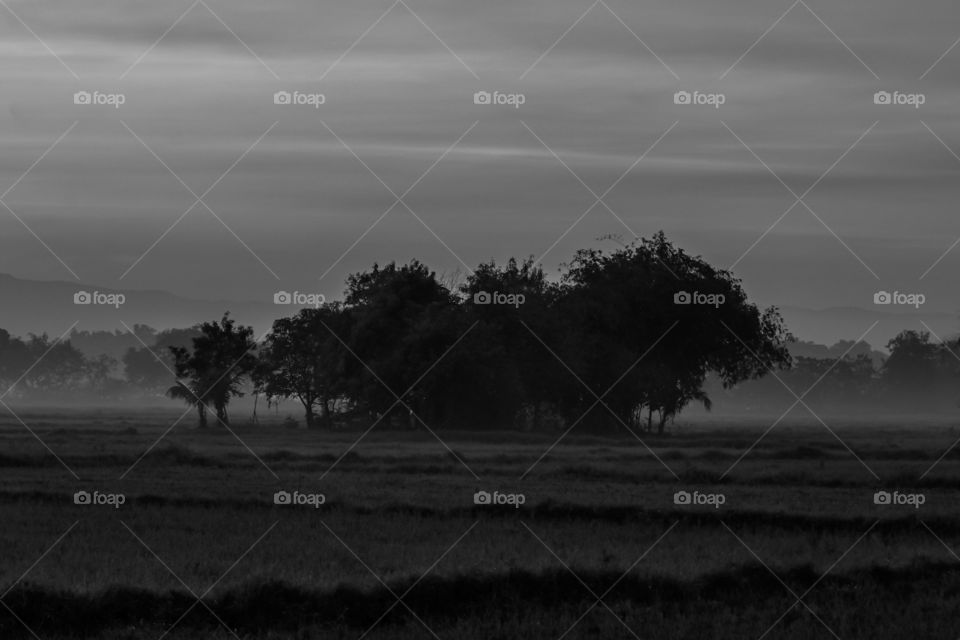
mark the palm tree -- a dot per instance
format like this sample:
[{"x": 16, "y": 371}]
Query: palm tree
[
  {"x": 214, "y": 370},
  {"x": 191, "y": 396}
]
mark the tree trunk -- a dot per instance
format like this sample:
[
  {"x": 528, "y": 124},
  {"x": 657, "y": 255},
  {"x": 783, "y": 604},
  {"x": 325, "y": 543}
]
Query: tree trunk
[
  {"x": 202, "y": 415},
  {"x": 327, "y": 414},
  {"x": 222, "y": 416}
]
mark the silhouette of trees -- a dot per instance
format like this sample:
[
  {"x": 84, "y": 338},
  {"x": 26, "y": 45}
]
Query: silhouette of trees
[
  {"x": 14, "y": 359},
  {"x": 402, "y": 320},
  {"x": 920, "y": 371},
  {"x": 51, "y": 365},
  {"x": 648, "y": 322},
  {"x": 630, "y": 337},
  {"x": 913, "y": 363},
  {"x": 213, "y": 371},
  {"x": 194, "y": 393},
  {"x": 514, "y": 378},
  {"x": 41, "y": 367},
  {"x": 303, "y": 358},
  {"x": 112, "y": 343},
  {"x": 612, "y": 319}
]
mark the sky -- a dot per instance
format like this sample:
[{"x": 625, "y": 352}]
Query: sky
[{"x": 201, "y": 185}]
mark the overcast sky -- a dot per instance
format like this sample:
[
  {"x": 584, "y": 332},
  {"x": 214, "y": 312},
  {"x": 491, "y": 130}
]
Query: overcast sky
[{"x": 798, "y": 85}]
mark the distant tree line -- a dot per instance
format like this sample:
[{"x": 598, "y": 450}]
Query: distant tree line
[
  {"x": 42, "y": 368},
  {"x": 919, "y": 374}
]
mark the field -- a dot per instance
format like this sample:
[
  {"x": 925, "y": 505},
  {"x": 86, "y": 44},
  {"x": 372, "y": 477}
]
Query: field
[{"x": 789, "y": 542}]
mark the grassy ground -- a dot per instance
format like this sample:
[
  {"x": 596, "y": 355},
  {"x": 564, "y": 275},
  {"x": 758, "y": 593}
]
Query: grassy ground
[{"x": 797, "y": 549}]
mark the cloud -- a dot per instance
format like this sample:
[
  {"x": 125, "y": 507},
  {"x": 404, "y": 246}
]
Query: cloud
[{"x": 400, "y": 98}]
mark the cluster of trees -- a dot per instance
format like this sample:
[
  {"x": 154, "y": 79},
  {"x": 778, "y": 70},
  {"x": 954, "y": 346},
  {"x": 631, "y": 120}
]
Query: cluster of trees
[
  {"x": 628, "y": 338},
  {"x": 38, "y": 363},
  {"x": 607, "y": 344},
  {"x": 918, "y": 373},
  {"x": 75, "y": 369}
]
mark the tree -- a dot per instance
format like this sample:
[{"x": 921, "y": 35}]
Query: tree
[
  {"x": 98, "y": 370},
  {"x": 14, "y": 359},
  {"x": 511, "y": 375},
  {"x": 918, "y": 370},
  {"x": 403, "y": 320},
  {"x": 194, "y": 394},
  {"x": 648, "y": 322},
  {"x": 303, "y": 358},
  {"x": 214, "y": 370},
  {"x": 53, "y": 365}
]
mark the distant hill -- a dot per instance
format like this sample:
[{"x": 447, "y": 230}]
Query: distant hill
[
  {"x": 836, "y": 324},
  {"x": 844, "y": 348},
  {"x": 31, "y": 306}
]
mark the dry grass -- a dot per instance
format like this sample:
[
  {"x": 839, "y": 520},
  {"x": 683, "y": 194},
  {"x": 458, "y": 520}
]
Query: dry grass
[{"x": 398, "y": 500}]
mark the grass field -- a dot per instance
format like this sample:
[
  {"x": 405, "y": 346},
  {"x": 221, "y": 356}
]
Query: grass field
[{"x": 598, "y": 549}]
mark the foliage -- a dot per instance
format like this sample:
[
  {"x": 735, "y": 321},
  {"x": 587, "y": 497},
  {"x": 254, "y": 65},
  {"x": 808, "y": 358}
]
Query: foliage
[{"x": 214, "y": 370}]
